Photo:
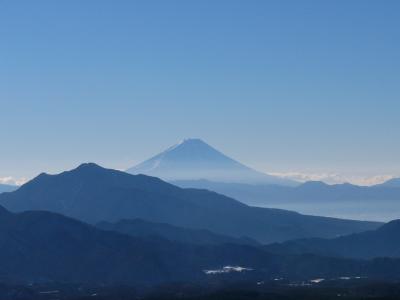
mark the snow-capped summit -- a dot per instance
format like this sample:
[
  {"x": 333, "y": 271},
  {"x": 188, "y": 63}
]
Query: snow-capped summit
[{"x": 194, "y": 159}]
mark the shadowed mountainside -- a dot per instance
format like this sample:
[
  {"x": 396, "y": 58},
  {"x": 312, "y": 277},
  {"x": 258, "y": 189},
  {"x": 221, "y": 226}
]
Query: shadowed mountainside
[
  {"x": 142, "y": 228},
  {"x": 47, "y": 247}
]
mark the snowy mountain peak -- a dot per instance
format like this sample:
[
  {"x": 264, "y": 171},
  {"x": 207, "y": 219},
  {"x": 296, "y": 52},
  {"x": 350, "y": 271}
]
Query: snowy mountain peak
[
  {"x": 194, "y": 159},
  {"x": 192, "y": 141}
]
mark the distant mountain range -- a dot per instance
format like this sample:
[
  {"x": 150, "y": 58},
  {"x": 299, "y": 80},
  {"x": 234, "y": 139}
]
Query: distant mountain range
[
  {"x": 142, "y": 228},
  {"x": 383, "y": 242},
  {"x": 93, "y": 194},
  {"x": 7, "y": 188},
  {"x": 193, "y": 159},
  {"x": 39, "y": 246},
  {"x": 195, "y": 164},
  {"x": 395, "y": 182},
  {"x": 380, "y": 202}
]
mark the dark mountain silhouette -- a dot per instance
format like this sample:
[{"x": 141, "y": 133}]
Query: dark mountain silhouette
[
  {"x": 38, "y": 246},
  {"x": 7, "y": 188},
  {"x": 194, "y": 159},
  {"x": 380, "y": 202},
  {"x": 44, "y": 246},
  {"x": 93, "y": 194},
  {"x": 142, "y": 228},
  {"x": 383, "y": 242}
]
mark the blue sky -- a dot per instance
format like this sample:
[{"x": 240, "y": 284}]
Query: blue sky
[{"x": 308, "y": 87}]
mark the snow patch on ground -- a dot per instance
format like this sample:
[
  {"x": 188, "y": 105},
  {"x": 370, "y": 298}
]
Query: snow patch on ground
[{"x": 227, "y": 269}]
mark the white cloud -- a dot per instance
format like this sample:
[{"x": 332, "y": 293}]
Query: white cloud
[
  {"x": 334, "y": 178},
  {"x": 330, "y": 178},
  {"x": 12, "y": 181}
]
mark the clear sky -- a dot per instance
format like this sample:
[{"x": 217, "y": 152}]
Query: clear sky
[{"x": 308, "y": 87}]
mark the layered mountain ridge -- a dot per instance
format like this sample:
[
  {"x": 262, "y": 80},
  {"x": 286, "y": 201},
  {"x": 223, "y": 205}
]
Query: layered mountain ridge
[
  {"x": 38, "y": 246},
  {"x": 142, "y": 228},
  {"x": 379, "y": 202},
  {"x": 382, "y": 242},
  {"x": 93, "y": 194}
]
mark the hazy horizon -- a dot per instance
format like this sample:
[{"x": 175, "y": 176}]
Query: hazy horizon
[{"x": 329, "y": 178}]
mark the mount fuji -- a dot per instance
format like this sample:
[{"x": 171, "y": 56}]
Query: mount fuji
[{"x": 193, "y": 159}]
